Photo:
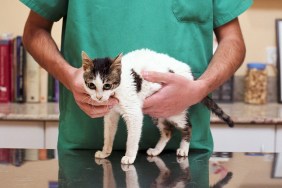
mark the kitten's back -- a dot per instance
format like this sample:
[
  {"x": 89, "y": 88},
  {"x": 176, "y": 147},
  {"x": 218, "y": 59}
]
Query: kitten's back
[{"x": 147, "y": 60}]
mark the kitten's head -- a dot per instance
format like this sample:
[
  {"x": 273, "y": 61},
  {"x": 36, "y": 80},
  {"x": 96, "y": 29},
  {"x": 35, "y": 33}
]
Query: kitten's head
[{"x": 101, "y": 76}]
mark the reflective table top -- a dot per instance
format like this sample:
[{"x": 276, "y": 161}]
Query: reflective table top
[{"x": 41, "y": 168}]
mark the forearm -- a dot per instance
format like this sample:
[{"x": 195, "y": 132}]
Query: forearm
[
  {"x": 227, "y": 59},
  {"x": 40, "y": 44}
]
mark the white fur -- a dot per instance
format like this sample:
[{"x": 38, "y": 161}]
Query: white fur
[{"x": 131, "y": 102}]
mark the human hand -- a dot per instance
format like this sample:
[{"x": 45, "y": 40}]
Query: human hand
[
  {"x": 84, "y": 101},
  {"x": 176, "y": 95}
]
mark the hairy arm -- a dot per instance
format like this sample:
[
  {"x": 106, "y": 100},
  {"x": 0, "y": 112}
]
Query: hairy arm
[
  {"x": 228, "y": 57},
  {"x": 39, "y": 43},
  {"x": 226, "y": 60}
]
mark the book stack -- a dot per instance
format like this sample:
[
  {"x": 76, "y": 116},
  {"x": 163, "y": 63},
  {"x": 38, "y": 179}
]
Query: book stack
[
  {"x": 21, "y": 77},
  {"x": 12, "y": 156},
  {"x": 17, "y": 157}
]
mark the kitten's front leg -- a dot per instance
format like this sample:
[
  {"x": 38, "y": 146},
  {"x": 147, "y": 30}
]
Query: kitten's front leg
[
  {"x": 131, "y": 176},
  {"x": 110, "y": 128},
  {"x": 133, "y": 120}
]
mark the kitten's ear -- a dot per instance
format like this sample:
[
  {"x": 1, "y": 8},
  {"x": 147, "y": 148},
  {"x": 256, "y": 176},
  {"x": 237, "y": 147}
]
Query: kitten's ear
[
  {"x": 116, "y": 65},
  {"x": 118, "y": 58},
  {"x": 87, "y": 63}
]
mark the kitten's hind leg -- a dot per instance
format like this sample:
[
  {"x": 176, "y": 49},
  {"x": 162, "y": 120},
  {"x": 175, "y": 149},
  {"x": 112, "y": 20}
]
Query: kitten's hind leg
[
  {"x": 110, "y": 128},
  {"x": 185, "y": 127},
  {"x": 166, "y": 128}
]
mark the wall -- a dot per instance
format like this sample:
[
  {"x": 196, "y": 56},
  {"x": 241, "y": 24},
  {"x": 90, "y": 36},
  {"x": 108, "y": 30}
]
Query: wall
[
  {"x": 13, "y": 15},
  {"x": 258, "y": 26}
]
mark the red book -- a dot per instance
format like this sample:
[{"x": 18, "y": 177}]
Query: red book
[
  {"x": 4, "y": 156},
  {"x": 5, "y": 70}
]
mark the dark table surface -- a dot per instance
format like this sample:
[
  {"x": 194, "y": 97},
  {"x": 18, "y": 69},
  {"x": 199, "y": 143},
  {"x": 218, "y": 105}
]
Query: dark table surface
[{"x": 41, "y": 168}]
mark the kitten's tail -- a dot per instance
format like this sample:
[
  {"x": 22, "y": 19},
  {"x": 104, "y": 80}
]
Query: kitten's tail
[
  {"x": 224, "y": 181},
  {"x": 210, "y": 103}
]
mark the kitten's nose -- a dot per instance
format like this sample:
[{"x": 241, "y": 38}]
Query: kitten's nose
[{"x": 99, "y": 97}]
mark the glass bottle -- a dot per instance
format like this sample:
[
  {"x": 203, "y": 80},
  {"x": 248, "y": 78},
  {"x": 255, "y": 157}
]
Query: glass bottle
[{"x": 256, "y": 84}]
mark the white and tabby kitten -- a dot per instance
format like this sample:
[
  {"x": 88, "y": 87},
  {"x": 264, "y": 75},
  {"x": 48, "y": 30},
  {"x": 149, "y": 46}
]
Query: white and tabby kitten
[{"x": 121, "y": 77}]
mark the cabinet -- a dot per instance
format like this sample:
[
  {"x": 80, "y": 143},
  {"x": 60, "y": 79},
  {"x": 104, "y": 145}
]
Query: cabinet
[
  {"x": 29, "y": 134},
  {"x": 22, "y": 134},
  {"x": 51, "y": 134},
  {"x": 279, "y": 139},
  {"x": 244, "y": 138},
  {"x": 257, "y": 128}
]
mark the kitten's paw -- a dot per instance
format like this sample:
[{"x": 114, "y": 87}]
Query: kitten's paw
[
  {"x": 182, "y": 152},
  {"x": 151, "y": 158},
  {"x": 126, "y": 167},
  {"x": 153, "y": 152},
  {"x": 180, "y": 159},
  {"x": 101, "y": 155},
  {"x": 183, "y": 162},
  {"x": 127, "y": 160},
  {"x": 100, "y": 161}
]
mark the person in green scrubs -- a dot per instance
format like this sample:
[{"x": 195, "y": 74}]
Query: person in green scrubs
[{"x": 182, "y": 29}]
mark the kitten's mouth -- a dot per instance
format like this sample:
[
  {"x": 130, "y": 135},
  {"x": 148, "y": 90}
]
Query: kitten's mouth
[{"x": 100, "y": 101}]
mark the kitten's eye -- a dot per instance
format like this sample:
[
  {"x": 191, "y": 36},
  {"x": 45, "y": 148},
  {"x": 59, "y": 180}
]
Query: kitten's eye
[
  {"x": 107, "y": 86},
  {"x": 91, "y": 85}
]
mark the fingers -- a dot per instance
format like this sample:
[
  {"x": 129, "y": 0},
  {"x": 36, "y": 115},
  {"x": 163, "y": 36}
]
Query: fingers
[
  {"x": 85, "y": 98},
  {"x": 157, "y": 77},
  {"x": 150, "y": 101},
  {"x": 149, "y": 106},
  {"x": 95, "y": 111},
  {"x": 156, "y": 114},
  {"x": 99, "y": 111}
]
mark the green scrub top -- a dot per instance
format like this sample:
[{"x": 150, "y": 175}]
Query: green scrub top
[{"x": 182, "y": 29}]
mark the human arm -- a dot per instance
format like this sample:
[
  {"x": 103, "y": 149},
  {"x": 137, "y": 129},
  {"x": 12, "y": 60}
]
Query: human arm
[
  {"x": 179, "y": 93},
  {"x": 228, "y": 57},
  {"x": 39, "y": 43}
]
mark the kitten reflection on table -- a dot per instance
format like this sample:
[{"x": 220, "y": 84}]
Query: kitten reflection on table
[
  {"x": 131, "y": 177},
  {"x": 108, "y": 175},
  {"x": 224, "y": 181},
  {"x": 164, "y": 178}
]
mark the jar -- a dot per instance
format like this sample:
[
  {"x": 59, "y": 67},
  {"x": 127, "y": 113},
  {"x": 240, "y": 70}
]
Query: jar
[{"x": 256, "y": 83}]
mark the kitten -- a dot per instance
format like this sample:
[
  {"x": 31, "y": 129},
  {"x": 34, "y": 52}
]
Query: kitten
[
  {"x": 121, "y": 77},
  {"x": 166, "y": 177}
]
